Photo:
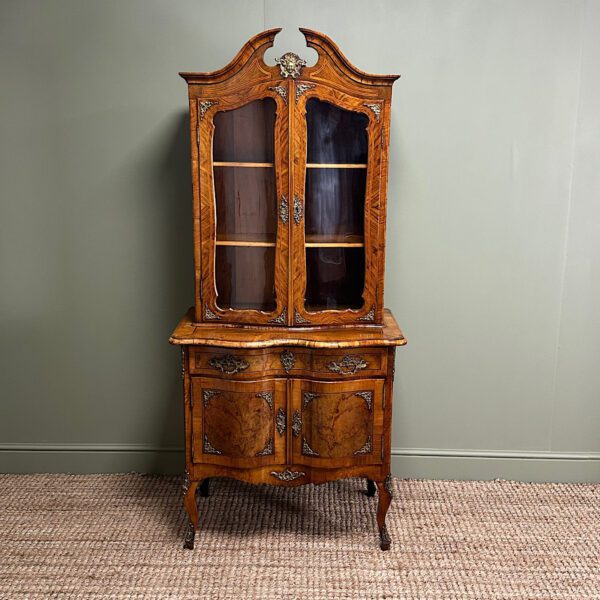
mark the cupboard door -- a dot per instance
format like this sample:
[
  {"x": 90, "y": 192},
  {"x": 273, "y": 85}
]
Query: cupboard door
[
  {"x": 238, "y": 424},
  {"x": 336, "y": 183},
  {"x": 337, "y": 424},
  {"x": 243, "y": 157}
]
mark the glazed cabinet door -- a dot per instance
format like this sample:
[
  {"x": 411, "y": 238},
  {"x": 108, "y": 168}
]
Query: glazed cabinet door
[
  {"x": 243, "y": 182},
  {"x": 336, "y": 234},
  {"x": 337, "y": 424},
  {"x": 238, "y": 424}
]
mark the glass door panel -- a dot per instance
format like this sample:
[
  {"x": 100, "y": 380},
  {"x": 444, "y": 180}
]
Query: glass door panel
[
  {"x": 246, "y": 206},
  {"x": 245, "y": 134},
  {"x": 336, "y": 176},
  {"x": 245, "y": 277},
  {"x": 335, "y": 135},
  {"x": 335, "y": 278},
  {"x": 335, "y": 203}
]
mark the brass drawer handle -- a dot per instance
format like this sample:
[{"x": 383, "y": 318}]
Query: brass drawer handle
[
  {"x": 349, "y": 365},
  {"x": 228, "y": 364}
]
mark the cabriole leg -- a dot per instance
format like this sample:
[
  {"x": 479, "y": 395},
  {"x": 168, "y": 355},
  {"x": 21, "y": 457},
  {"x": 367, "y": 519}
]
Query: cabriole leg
[
  {"x": 385, "y": 498},
  {"x": 370, "y": 487},
  {"x": 189, "y": 503}
]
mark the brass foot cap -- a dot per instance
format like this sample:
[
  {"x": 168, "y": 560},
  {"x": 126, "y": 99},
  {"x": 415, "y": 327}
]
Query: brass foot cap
[{"x": 386, "y": 541}]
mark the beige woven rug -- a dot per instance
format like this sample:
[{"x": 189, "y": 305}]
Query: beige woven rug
[{"x": 120, "y": 536}]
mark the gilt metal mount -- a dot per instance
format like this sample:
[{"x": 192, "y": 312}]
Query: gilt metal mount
[
  {"x": 204, "y": 106},
  {"x": 301, "y": 88},
  {"x": 376, "y": 108},
  {"x": 284, "y": 211},
  {"x": 267, "y": 450},
  {"x": 298, "y": 210},
  {"x": 281, "y": 90},
  {"x": 366, "y": 449},
  {"x": 370, "y": 316},
  {"x": 208, "y": 394},
  {"x": 209, "y": 315},
  {"x": 267, "y": 397},
  {"x": 349, "y": 365},
  {"x": 296, "y": 423},
  {"x": 367, "y": 397},
  {"x": 280, "y": 421},
  {"x": 290, "y": 65},
  {"x": 208, "y": 448},
  {"x": 190, "y": 534},
  {"x": 287, "y": 360},
  {"x": 280, "y": 319},
  {"x": 307, "y": 398},
  {"x": 298, "y": 318},
  {"x": 185, "y": 485},
  {"x": 307, "y": 450},
  {"x": 228, "y": 364},
  {"x": 288, "y": 475}
]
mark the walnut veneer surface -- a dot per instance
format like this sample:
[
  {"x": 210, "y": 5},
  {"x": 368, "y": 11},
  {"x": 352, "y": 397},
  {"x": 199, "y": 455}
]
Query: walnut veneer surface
[
  {"x": 288, "y": 353},
  {"x": 188, "y": 332}
]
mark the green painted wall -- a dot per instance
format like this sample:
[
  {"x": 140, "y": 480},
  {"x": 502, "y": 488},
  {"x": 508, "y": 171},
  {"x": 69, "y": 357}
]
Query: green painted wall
[{"x": 493, "y": 263}]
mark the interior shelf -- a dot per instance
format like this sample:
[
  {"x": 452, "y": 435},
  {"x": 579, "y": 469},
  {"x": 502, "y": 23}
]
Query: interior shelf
[
  {"x": 311, "y": 241},
  {"x": 241, "y": 164},
  {"x": 336, "y": 166},
  {"x": 308, "y": 165},
  {"x": 246, "y": 239},
  {"x": 334, "y": 241}
]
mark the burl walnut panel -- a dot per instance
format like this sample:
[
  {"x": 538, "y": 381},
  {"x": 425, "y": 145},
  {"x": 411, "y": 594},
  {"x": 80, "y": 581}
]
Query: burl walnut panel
[
  {"x": 235, "y": 423},
  {"x": 336, "y": 425},
  {"x": 339, "y": 424}
]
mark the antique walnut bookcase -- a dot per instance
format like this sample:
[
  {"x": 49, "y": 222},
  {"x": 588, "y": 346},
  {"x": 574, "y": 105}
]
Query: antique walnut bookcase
[{"x": 288, "y": 354}]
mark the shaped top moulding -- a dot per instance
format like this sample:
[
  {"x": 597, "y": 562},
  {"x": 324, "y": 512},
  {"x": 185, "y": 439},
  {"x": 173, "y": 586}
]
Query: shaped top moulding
[{"x": 290, "y": 65}]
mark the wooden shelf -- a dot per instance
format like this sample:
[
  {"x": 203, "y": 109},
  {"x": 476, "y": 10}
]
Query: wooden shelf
[
  {"x": 334, "y": 241},
  {"x": 336, "y": 166},
  {"x": 242, "y": 164},
  {"x": 246, "y": 239},
  {"x": 308, "y": 165},
  {"x": 311, "y": 241}
]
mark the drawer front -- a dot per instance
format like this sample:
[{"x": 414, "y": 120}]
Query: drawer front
[
  {"x": 237, "y": 364},
  {"x": 348, "y": 364},
  {"x": 292, "y": 361}
]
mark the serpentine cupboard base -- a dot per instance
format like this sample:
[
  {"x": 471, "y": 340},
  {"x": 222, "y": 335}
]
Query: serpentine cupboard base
[{"x": 287, "y": 407}]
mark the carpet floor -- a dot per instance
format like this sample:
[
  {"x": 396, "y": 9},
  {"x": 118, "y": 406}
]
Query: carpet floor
[{"x": 120, "y": 537}]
